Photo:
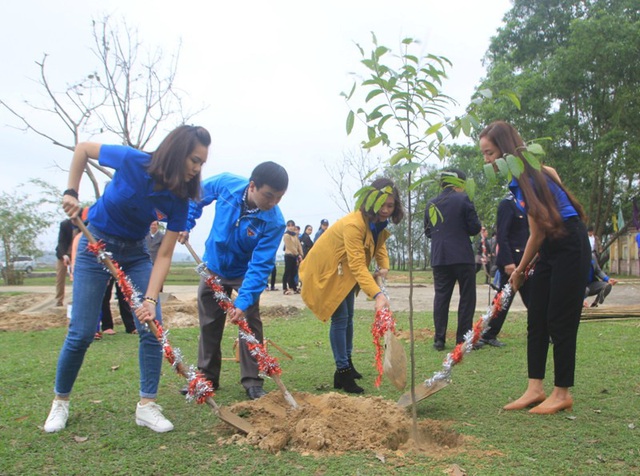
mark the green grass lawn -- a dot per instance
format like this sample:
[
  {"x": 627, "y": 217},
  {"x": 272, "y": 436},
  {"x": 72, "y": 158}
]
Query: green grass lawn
[{"x": 600, "y": 437}]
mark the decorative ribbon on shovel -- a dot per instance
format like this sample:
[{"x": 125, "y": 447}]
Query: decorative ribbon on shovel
[
  {"x": 393, "y": 363},
  {"x": 441, "y": 378},
  {"x": 200, "y": 388},
  {"x": 267, "y": 364}
]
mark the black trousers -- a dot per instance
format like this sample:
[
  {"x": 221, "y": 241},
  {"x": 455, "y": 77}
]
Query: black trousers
[
  {"x": 556, "y": 298},
  {"x": 495, "y": 324},
  {"x": 290, "y": 270},
  {"x": 444, "y": 280},
  {"x": 212, "y": 321}
]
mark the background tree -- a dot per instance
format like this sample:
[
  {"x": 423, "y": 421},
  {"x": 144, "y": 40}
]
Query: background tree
[
  {"x": 22, "y": 220},
  {"x": 130, "y": 95},
  {"x": 576, "y": 65}
]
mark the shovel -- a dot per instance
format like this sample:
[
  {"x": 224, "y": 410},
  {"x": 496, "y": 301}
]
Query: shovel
[
  {"x": 224, "y": 414},
  {"x": 275, "y": 375},
  {"x": 421, "y": 392},
  {"x": 394, "y": 362}
]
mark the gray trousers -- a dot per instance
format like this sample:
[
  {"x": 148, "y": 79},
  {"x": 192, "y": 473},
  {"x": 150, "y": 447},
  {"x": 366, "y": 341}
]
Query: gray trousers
[{"x": 212, "y": 321}]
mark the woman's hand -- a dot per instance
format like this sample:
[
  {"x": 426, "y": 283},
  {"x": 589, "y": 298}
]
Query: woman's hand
[
  {"x": 71, "y": 206},
  {"x": 382, "y": 302},
  {"x": 381, "y": 273},
  {"x": 516, "y": 280},
  {"x": 146, "y": 312}
]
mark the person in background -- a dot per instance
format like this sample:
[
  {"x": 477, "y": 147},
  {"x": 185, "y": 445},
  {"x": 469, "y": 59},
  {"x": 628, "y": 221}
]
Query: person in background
[
  {"x": 154, "y": 240},
  {"x": 144, "y": 182},
  {"x": 324, "y": 224},
  {"x": 337, "y": 267},
  {"x": 305, "y": 239},
  {"x": 599, "y": 284},
  {"x": 483, "y": 254},
  {"x": 274, "y": 274},
  {"x": 240, "y": 250},
  {"x": 63, "y": 254},
  {"x": 292, "y": 256},
  {"x": 558, "y": 235},
  {"x": 512, "y": 235},
  {"x": 452, "y": 257}
]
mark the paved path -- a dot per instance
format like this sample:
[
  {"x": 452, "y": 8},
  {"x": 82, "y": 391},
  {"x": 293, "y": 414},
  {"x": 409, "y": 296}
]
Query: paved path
[{"x": 623, "y": 294}]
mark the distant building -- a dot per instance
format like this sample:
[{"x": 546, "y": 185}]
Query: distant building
[{"x": 623, "y": 257}]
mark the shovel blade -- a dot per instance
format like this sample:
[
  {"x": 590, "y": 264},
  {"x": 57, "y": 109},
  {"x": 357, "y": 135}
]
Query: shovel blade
[
  {"x": 394, "y": 364},
  {"x": 422, "y": 391},
  {"x": 234, "y": 420}
]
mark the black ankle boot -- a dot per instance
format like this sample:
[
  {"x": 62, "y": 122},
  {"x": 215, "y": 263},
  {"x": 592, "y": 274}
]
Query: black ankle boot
[
  {"x": 343, "y": 378},
  {"x": 354, "y": 372}
]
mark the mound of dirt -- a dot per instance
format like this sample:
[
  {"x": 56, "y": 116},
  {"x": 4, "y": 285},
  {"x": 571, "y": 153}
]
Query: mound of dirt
[{"x": 334, "y": 423}]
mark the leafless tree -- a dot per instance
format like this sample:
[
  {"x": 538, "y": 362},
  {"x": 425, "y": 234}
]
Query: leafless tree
[
  {"x": 350, "y": 175},
  {"x": 125, "y": 95}
]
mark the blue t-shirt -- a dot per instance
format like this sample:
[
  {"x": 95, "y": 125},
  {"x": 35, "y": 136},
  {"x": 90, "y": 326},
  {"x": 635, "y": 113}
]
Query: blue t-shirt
[
  {"x": 129, "y": 203},
  {"x": 563, "y": 204}
]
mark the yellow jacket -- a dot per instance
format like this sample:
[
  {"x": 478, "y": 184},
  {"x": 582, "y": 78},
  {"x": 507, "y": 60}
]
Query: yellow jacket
[{"x": 338, "y": 261}]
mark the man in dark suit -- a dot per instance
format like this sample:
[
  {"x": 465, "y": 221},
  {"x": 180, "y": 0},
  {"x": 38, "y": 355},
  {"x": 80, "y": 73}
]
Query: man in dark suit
[
  {"x": 450, "y": 220},
  {"x": 513, "y": 232}
]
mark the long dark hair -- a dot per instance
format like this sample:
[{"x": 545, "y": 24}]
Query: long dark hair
[
  {"x": 541, "y": 203},
  {"x": 167, "y": 163},
  {"x": 378, "y": 186}
]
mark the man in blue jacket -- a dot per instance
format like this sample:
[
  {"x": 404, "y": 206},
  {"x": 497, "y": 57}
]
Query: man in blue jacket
[
  {"x": 450, "y": 220},
  {"x": 240, "y": 250}
]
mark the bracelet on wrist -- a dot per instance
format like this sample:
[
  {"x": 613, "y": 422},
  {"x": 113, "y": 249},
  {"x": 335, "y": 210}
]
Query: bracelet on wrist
[
  {"x": 71, "y": 192},
  {"x": 151, "y": 300}
]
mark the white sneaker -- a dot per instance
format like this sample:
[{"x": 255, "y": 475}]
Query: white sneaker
[
  {"x": 150, "y": 415},
  {"x": 58, "y": 416}
]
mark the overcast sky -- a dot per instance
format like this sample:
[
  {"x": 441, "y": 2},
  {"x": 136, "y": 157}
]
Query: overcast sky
[{"x": 269, "y": 72}]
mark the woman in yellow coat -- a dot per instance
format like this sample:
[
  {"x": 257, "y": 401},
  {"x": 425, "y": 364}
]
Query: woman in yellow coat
[{"x": 337, "y": 267}]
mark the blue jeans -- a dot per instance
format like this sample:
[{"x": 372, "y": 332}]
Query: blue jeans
[
  {"x": 341, "y": 331},
  {"x": 90, "y": 280}
]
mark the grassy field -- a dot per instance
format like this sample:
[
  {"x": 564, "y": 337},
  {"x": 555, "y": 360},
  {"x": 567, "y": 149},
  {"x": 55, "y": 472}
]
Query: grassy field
[{"x": 600, "y": 437}]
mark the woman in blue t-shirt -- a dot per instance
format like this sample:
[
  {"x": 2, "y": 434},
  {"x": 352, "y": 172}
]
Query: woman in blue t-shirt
[
  {"x": 143, "y": 186},
  {"x": 559, "y": 236}
]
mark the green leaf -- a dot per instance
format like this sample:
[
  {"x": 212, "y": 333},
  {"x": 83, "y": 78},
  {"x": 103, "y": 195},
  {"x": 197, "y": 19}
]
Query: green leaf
[
  {"x": 503, "y": 167},
  {"x": 371, "y": 198},
  {"x": 535, "y": 148},
  {"x": 381, "y": 50},
  {"x": 409, "y": 167},
  {"x": 470, "y": 188},
  {"x": 373, "y": 94},
  {"x": 434, "y": 214},
  {"x": 490, "y": 173},
  {"x": 398, "y": 156},
  {"x": 532, "y": 159},
  {"x": 372, "y": 143},
  {"x": 487, "y": 93},
  {"x": 353, "y": 88},
  {"x": 434, "y": 128},
  {"x": 350, "y": 122},
  {"x": 513, "y": 97},
  {"x": 380, "y": 201},
  {"x": 516, "y": 167}
]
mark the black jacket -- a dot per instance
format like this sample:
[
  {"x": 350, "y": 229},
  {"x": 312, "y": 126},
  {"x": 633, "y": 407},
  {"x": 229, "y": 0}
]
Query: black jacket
[
  {"x": 512, "y": 232},
  {"x": 456, "y": 221},
  {"x": 65, "y": 238}
]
